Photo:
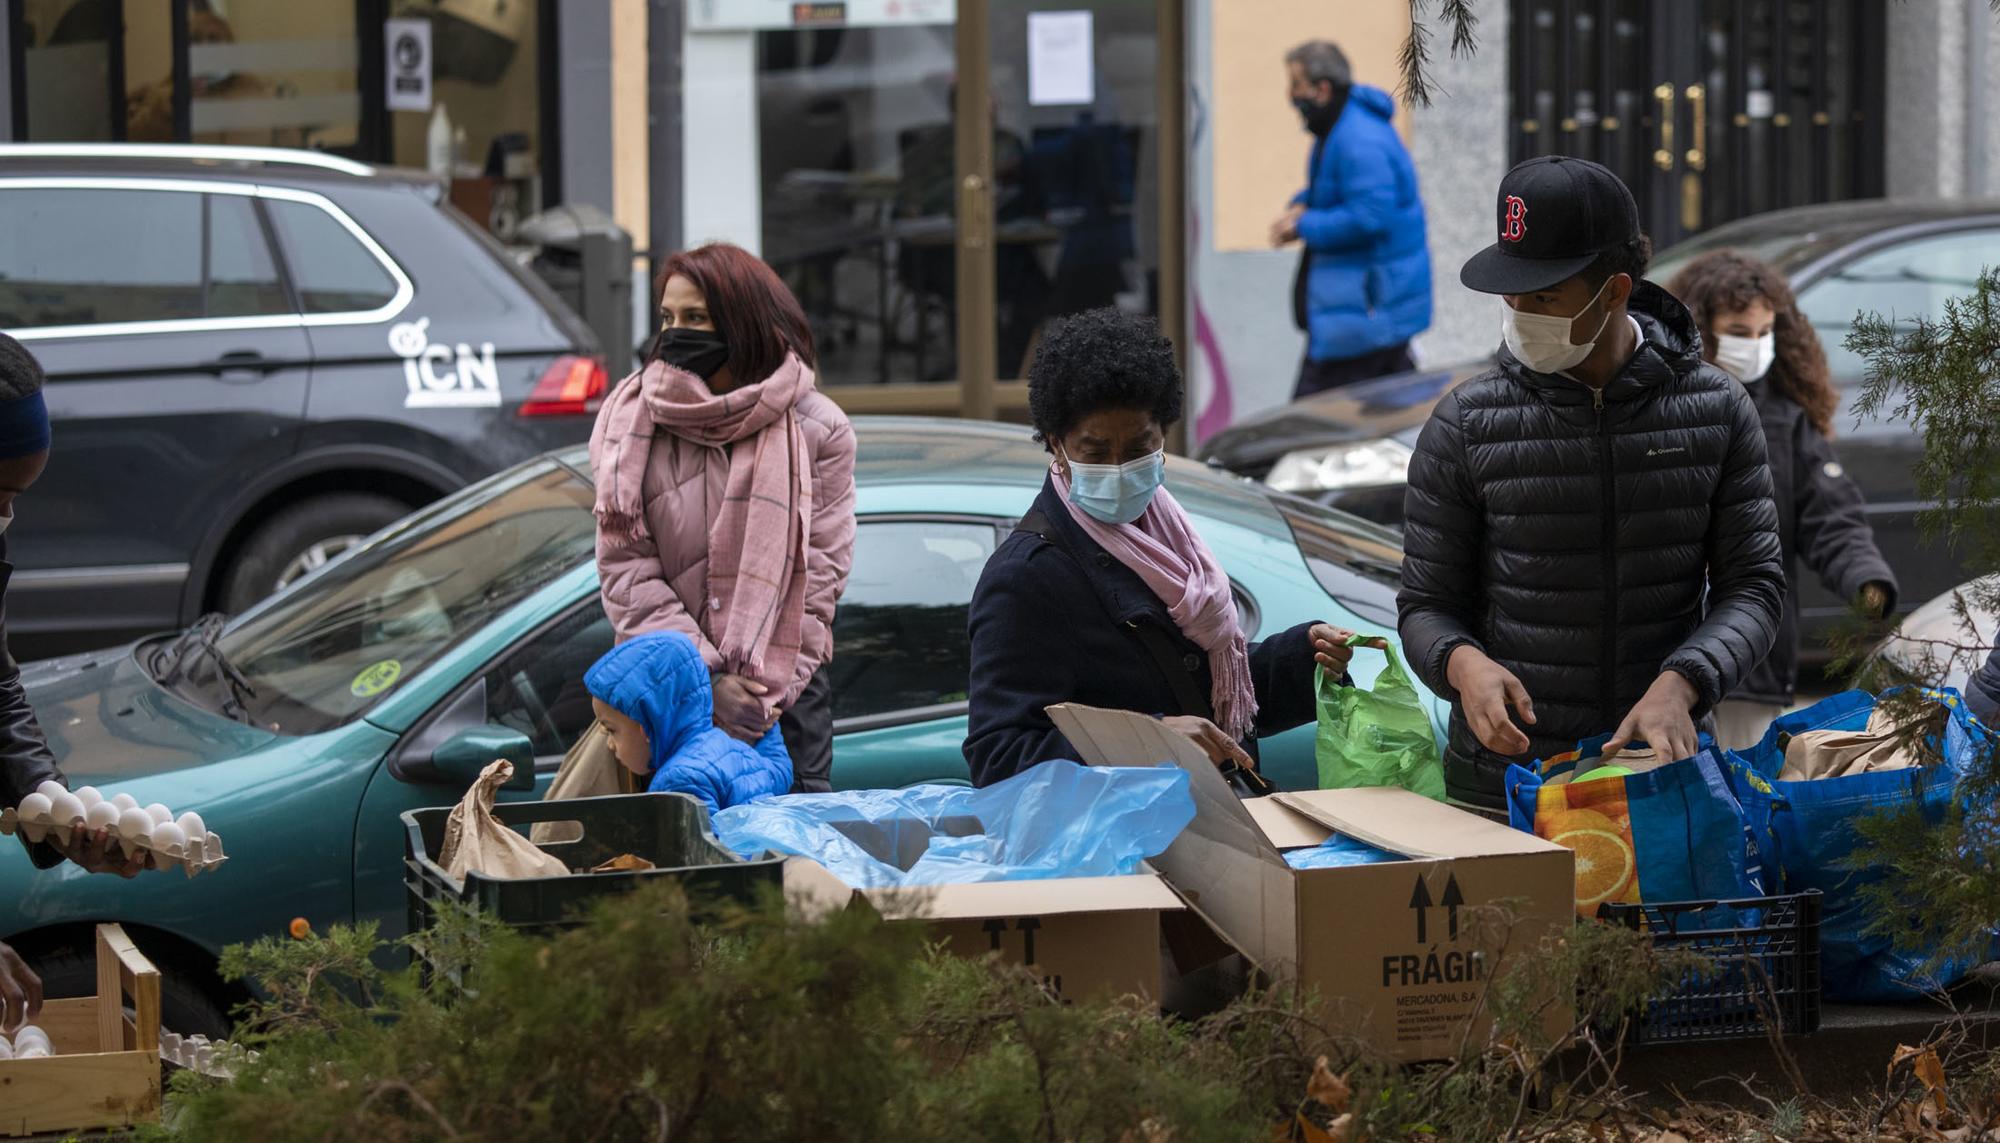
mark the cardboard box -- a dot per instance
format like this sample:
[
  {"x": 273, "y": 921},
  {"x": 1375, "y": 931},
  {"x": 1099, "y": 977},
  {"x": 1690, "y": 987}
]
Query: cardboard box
[
  {"x": 1393, "y": 946},
  {"x": 1086, "y": 937}
]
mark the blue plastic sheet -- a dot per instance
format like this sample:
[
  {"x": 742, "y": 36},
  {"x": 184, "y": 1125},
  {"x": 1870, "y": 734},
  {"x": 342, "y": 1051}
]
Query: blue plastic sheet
[
  {"x": 1808, "y": 837},
  {"x": 1338, "y": 852},
  {"x": 1058, "y": 819}
]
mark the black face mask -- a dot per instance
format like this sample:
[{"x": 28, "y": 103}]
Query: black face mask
[
  {"x": 701, "y": 352},
  {"x": 1320, "y": 117}
]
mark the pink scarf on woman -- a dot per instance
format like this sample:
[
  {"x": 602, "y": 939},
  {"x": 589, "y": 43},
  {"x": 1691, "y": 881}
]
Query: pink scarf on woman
[
  {"x": 1162, "y": 548},
  {"x": 757, "y": 541}
]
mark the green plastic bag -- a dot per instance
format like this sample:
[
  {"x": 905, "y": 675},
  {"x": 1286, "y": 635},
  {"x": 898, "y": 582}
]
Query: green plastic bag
[{"x": 1379, "y": 737}]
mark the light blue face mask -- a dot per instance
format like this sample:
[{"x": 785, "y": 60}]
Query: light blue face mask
[{"x": 1117, "y": 493}]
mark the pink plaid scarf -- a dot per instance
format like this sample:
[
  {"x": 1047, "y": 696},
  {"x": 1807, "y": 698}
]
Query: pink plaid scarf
[
  {"x": 757, "y": 542},
  {"x": 1162, "y": 548}
]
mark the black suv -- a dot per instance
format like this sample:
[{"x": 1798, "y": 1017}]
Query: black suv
[{"x": 256, "y": 357}]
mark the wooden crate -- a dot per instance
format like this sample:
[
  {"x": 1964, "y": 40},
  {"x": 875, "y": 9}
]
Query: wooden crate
[{"x": 106, "y": 1068}]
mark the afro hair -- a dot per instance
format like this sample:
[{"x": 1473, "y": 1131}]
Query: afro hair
[
  {"x": 1097, "y": 360},
  {"x": 20, "y": 374}
]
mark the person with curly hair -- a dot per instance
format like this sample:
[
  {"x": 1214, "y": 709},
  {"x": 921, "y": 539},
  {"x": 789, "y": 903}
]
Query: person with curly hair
[
  {"x": 1104, "y": 595},
  {"x": 1751, "y": 326}
]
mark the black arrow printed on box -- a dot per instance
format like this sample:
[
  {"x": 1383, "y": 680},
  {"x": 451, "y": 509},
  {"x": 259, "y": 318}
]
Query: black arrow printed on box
[
  {"x": 1420, "y": 903},
  {"x": 1027, "y": 926},
  {"x": 1451, "y": 900}
]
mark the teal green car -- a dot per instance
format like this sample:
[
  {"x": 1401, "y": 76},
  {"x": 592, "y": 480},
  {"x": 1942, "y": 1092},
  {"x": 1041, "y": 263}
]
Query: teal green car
[{"x": 383, "y": 682}]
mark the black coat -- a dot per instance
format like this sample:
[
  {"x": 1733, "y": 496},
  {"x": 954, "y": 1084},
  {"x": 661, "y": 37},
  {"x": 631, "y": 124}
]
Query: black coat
[
  {"x": 1982, "y": 690},
  {"x": 1820, "y": 520},
  {"x": 1588, "y": 540},
  {"x": 25, "y": 761},
  {"x": 1047, "y": 628}
]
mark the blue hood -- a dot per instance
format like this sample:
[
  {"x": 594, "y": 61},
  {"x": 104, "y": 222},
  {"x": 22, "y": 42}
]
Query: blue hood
[
  {"x": 660, "y": 682},
  {"x": 1373, "y": 100}
]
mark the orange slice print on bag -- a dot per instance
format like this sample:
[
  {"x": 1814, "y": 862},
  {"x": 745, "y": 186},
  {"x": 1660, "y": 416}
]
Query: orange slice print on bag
[{"x": 1605, "y": 865}]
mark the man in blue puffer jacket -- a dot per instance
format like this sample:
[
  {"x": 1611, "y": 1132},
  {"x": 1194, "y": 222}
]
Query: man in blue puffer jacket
[
  {"x": 653, "y": 694},
  {"x": 1364, "y": 284}
]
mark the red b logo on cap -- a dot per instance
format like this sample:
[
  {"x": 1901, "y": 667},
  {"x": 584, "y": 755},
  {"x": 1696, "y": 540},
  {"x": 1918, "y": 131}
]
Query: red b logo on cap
[{"x": 1515, "y": 227}]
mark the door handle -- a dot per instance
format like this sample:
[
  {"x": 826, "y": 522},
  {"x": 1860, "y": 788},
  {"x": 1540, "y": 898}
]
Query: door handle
[
  {"x": 973, "y": 222},
  {"x": 1663, "y": 158},
  {"x": 1697, "y": 156},
  {"x": 241, "y": 364}
]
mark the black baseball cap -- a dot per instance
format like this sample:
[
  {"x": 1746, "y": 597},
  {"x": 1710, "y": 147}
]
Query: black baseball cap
[{"x": 1557, "y": 214}]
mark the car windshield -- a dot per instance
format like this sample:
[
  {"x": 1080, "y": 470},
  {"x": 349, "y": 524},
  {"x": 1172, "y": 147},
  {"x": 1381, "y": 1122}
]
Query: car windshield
[{"x": 324, "y": 652}]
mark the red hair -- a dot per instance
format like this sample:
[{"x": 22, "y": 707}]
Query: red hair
[{"x": 751, "y": 307}]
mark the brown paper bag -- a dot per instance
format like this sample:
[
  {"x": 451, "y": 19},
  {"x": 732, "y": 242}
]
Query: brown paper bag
[
  {"x": 589, "y": 770},
  {"x": 474, "y": 840},
  {"x": 1881, "y": 745}
]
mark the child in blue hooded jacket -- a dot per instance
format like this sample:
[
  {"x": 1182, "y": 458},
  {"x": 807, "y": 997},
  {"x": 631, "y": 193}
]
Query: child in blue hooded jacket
[{"x": 652, "y": 693}]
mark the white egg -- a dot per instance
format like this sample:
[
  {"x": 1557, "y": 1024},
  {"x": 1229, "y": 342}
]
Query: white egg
[
  {"x": 6, "y": 1049},
  {"x": 89, "y": 795},
  {"x": 29, "y": 1034},
  {"x": 135, "y": 826},
  {"x": 169, "y": 838},
  {"x": 125, "y": 801},
  {"x": 66, "y": 808},
  {"x": 101, "y": 815},
  {"x": 192, "y": 825},
  {"x": 34, "y": 807},
  {"x": 51, "y": 788},
  {"x": 160, "y": 813},
  {"x": 32, "y": 1052}
]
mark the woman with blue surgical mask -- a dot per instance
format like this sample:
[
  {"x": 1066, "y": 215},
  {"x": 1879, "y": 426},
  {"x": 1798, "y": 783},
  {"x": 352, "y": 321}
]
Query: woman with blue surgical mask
[
  {"x": 1751, "y": 326},
  {"x": 1104, "y": 595}
]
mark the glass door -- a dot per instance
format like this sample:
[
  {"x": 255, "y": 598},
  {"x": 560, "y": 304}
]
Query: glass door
[{"x": 1070, "y": 173}]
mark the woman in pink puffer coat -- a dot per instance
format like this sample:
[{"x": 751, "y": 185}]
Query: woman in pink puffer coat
[{"x": 725, "y": 499}]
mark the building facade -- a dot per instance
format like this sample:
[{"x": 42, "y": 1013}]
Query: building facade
[{"x": 937, "y": 179}]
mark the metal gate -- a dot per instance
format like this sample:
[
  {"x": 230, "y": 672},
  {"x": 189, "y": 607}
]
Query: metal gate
[{"x": 1708, "y": 109}]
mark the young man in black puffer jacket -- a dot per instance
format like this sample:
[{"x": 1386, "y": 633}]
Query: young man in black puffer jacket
[{"x": 1590, "y": 543}]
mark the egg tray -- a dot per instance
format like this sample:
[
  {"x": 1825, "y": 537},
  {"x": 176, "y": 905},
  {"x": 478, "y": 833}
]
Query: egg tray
[
  {"x": 217, "y": 1059},
  {"x": 198, "y": 856}
]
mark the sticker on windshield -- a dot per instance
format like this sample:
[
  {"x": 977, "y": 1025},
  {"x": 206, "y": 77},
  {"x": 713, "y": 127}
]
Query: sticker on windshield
[
  {"x": 376, "y": 679},
  {"x": 443, "y": 376}
]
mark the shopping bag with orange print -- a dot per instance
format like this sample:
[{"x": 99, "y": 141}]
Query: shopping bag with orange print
[{"x": 1643, "y": 830}]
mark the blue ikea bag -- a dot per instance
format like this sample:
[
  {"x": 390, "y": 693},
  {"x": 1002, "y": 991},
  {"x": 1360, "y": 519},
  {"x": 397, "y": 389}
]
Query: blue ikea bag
[
  {"x": 1676, "y": 829},
  {"x": 1807, "y": 835}
]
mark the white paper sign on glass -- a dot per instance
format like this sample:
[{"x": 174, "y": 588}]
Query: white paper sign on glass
[{"x": 1061, "y": 69}]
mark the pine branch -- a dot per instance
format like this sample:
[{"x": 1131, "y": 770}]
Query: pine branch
[{"x": 1463, "y": 22}]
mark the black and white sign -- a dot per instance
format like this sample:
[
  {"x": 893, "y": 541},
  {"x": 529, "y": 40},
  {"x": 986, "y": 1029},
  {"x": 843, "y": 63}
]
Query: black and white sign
[{"x": 408, "y": 43}]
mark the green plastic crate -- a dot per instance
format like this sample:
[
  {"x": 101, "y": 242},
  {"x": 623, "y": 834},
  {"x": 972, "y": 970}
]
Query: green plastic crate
[{"x": 669, "y": 830}]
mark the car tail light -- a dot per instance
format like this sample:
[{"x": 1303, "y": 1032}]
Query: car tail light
[{"x": 571, "y": 386}]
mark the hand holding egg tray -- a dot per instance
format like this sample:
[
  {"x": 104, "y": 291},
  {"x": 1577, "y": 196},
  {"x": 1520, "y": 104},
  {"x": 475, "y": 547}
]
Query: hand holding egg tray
[{"x": 168, "y": 842}]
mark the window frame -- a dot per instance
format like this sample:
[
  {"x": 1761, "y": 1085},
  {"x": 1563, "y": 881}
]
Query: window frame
[
  {"x": 258, "y": 193},
  {"x": 914, "y": 715}
]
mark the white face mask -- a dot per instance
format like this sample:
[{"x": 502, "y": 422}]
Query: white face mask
[
  {"x": 1746, "y": 358},
  {"x": 1542, "y": 343}
]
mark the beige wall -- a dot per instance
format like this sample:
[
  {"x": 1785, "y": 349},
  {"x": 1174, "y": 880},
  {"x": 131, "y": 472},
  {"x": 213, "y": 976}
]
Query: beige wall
[
  {"x": 631, "y": 172},
  {"x": 1260, "y": 148}
]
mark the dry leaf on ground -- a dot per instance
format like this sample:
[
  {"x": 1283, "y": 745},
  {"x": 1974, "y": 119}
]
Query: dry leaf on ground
[{"x": 1327, "y": 1089}]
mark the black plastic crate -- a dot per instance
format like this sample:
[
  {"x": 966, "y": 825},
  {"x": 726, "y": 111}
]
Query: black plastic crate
[
  {"x": 669, "y": 830},
  {"x": 1765, "y": 953}
]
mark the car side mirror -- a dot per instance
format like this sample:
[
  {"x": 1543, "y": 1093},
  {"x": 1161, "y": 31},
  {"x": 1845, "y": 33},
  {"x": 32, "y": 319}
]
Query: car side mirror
[{"x": 460, "y": 758}]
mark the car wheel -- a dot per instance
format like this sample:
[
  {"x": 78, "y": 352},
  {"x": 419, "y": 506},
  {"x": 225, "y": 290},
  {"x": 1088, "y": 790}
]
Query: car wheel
[
  {"x": 302, "y": 538},
  {"x": 186, "y": 1008}
]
